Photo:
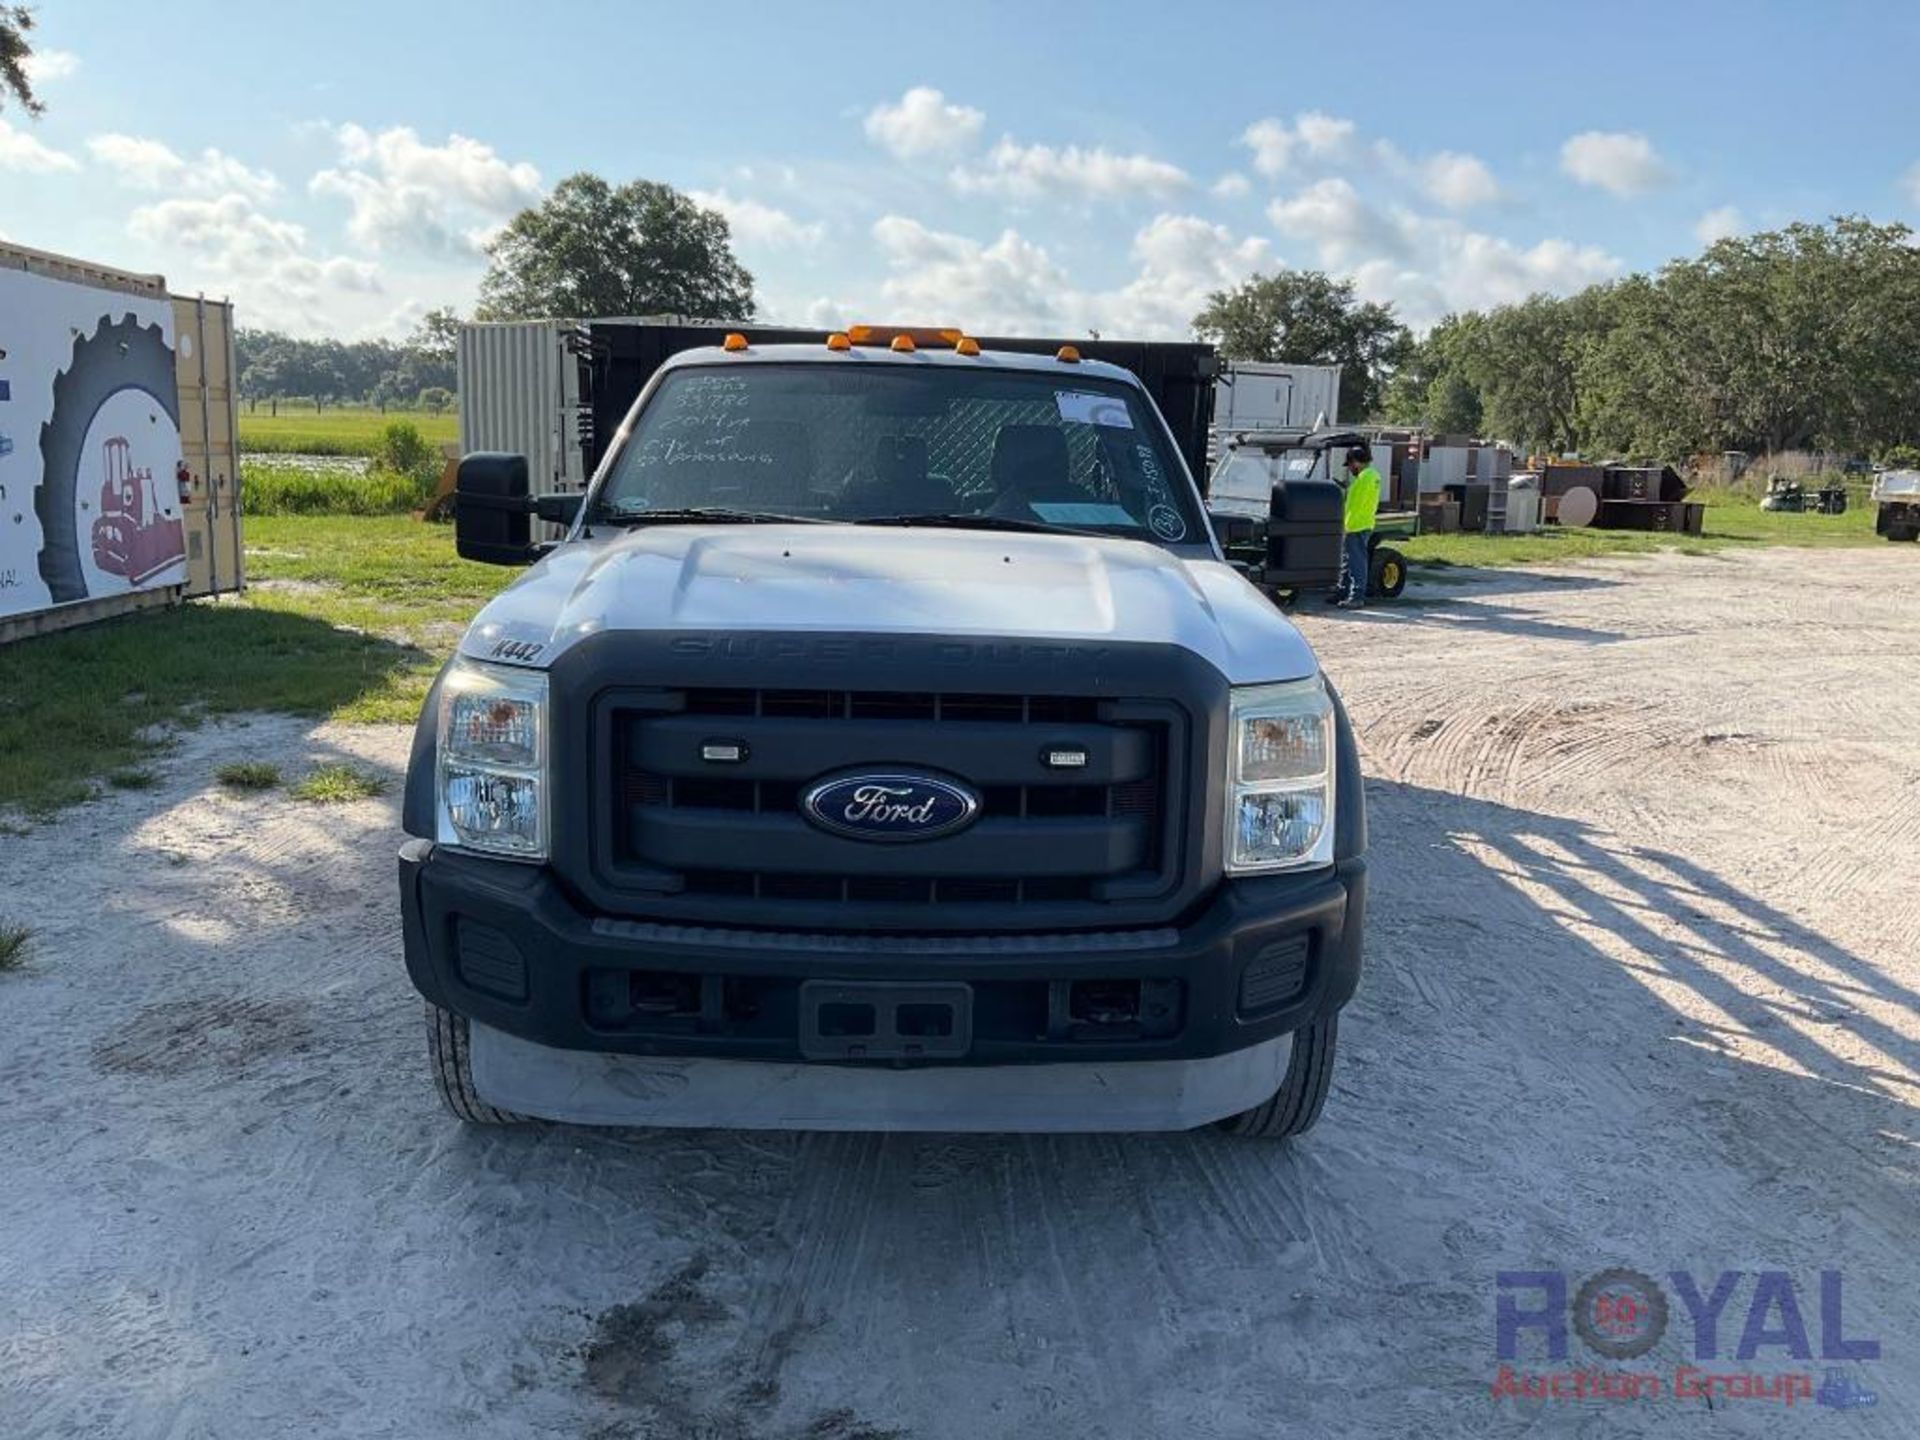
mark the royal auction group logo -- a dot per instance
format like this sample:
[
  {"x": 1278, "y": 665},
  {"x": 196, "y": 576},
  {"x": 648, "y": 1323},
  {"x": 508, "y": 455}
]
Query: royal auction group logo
[{"x": 1621, "y": 1315}]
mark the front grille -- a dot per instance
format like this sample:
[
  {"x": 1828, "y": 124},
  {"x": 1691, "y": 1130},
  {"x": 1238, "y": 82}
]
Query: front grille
[{"x": 733, "y": 831}]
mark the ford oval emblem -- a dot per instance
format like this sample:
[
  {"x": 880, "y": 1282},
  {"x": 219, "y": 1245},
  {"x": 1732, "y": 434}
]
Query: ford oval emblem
[{"x": 892, "y": 805}]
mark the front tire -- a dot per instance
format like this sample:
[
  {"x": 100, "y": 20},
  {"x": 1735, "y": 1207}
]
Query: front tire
[
  {"x": 1389, "y": 573},
  {"x": 1294, "y": 1107},
  {"x": 450, "y": 1056}
]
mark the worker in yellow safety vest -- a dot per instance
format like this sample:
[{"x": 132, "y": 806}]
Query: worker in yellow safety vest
[{"x": 1363, "y": 504}]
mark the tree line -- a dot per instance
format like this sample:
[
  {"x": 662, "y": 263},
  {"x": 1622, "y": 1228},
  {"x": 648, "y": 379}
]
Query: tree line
[
  {"x": 1803, "y": 337},
  {"x": 415, "y": 373}
]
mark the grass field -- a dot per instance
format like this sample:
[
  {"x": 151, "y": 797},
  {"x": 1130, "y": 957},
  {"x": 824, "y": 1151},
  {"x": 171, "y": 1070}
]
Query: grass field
[
  {"x": 1732, "y": 521},
  {"x": 345, "y": 617},
  {"x": 334, "y": 432}
]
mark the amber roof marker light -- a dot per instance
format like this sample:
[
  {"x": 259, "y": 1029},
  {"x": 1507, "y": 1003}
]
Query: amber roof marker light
[
  {"x": 839, "y": 341},
  {"x": 923, "y": 336},
  {"x": 966, "y": 345},
  {"x": 1067, "y": 355},
  {"x": 734, "y": 341},
  {"x": 903, "y": 344}
]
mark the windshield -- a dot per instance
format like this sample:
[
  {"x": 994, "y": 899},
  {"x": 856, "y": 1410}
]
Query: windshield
[{"x": 859, "y": 443}]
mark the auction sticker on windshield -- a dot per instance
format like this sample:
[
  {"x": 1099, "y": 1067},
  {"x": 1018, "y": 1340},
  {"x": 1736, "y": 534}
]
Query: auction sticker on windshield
[
  {"x": 1078, "y": 514},
  {"x": 1080, "y": 407}
]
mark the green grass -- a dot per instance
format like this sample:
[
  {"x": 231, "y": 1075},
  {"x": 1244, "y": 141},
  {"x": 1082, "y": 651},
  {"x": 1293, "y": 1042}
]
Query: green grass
[
  {"x": 386, "y": 574},
  {"x": 337, "y": 785},
  {"x": 292, "y": 490},
  {"x": 347, "y": 619},
  {"x": 248, "y": 775},
  {"x": 1732, "y": 522},
  {"x": 13, "y": 946},
  {"x": 132, "y": 779},
  {"x": 296, "y": 431}
]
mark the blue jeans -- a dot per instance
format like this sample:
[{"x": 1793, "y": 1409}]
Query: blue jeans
[{"x": 1353, "y": 567}]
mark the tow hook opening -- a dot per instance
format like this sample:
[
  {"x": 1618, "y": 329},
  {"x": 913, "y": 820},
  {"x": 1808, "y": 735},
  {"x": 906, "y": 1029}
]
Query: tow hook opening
[{"x": 1105, "y": 1002}]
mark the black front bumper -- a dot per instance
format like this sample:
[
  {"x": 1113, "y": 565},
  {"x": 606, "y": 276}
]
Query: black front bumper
[{"x": 505, "y": 945}]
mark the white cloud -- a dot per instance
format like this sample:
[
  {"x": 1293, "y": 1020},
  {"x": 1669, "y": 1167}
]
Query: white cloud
[
  {"x": 1182, "y": 258},
  {"x": 21, "y": 152},
  {"x": 1458, "y": 181},
  {"x": 1474, "y": 270},
  {"x": 1230, "y": 186},
  {"x": 1032, "y": 172},
  {"x": 1620, "y": 164},
  {"x": 1720, "y": 224},
  {"x": 150, "y": 165},
  {"x": 1272, "y": 146},
  {"x": 1013, "y": 286},
  {"x": 760, "y": 226},
  {"x": 48, "y": 66},
  {"x": 1009, "y": 285},
  {"x": 1325, "y": 136},
  {"x": 1332, "y": 215},
  {"x": 263, "y": 262},
  {"x": 407, "y": 194},
  {"x": 1317, "y": 135},
  {"x": 1426, "y": 265},
  {"x": 922, "y": 123}
]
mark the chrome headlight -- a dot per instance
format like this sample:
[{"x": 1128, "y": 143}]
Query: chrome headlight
[
  {"x": 1280, "y": 765},
  {"x": 493, "y": 760}
]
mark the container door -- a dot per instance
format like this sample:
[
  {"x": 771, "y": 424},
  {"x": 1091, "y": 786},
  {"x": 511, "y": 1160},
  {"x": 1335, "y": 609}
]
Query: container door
[{"x": 208, "y": 479}]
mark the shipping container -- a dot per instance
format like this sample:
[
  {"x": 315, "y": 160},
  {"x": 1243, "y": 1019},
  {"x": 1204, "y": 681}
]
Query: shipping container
[
  {"x": 526, "y": 388},
  {"x": 119, "y": 455},
  {"x": 1251, "y": 395}
]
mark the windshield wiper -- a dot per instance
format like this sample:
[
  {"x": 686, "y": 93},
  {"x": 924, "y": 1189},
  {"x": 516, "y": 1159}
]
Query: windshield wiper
[
  {"x": 936, "y": 520},
  {"x": 701, "y": 515}
]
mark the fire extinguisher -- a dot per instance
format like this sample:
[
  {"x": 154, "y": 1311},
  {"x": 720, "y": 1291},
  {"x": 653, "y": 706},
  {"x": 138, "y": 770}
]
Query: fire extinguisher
[{"x": 183, "y": 477}]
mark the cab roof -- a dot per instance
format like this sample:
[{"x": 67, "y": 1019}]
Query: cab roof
[{"x": 880, "y": 355}]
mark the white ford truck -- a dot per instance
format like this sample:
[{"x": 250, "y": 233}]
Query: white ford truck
[{"x": 885, "y": 745}]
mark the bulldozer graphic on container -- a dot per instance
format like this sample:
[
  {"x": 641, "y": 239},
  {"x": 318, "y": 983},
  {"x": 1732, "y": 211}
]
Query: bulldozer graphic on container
[
  {"x": 135, "y": 536},
  {"x": 120, "y": 376}
]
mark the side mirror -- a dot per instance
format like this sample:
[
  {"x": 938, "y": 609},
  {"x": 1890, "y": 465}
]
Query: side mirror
[{"x": 493, "y": 513}]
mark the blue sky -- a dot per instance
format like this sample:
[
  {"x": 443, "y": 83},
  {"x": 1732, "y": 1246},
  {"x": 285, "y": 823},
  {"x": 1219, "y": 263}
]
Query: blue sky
[{"x": 1056, "y": 167}]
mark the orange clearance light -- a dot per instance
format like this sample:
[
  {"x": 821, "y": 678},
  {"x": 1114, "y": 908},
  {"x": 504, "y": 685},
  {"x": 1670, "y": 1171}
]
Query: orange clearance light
[
  {"x": 966, "y": 345},
  {"x": 927, "y": 336},
  {"x": 734, "y": 341},
  {"x": 903, "y": 344},
  {"x": 838, "y": 341},
  {"x": 1067, "y": 355}
]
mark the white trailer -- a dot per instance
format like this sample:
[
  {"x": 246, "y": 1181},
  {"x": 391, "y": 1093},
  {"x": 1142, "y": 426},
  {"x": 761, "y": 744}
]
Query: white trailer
[
  {"x": 1251, "y": 395},
  {"x": 524, "y": 388}
]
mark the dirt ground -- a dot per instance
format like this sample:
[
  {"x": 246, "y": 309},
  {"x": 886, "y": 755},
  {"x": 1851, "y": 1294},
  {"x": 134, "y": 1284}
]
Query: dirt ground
[{"x": 1641, "y": 992}]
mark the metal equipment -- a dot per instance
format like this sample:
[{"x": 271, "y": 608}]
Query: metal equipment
[{"x": 1278, "y": 511}]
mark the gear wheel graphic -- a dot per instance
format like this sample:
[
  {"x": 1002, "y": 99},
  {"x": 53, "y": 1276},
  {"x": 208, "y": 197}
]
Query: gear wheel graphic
[{"x": 121, "y": 355}]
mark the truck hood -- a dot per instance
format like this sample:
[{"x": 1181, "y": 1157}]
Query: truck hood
[{"x": 852, "y": 580}]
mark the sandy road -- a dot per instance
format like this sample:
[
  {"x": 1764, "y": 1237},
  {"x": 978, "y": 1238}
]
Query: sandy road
[{"x": 1642, "y": 991}]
